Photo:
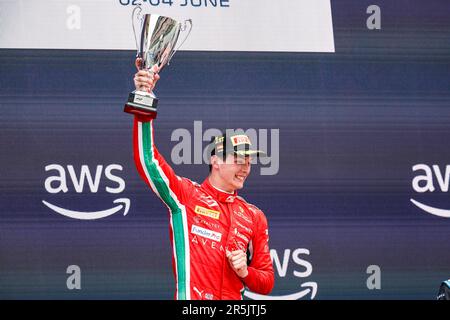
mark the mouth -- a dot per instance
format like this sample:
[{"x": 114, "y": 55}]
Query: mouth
[{"x": 240, "y": 178}]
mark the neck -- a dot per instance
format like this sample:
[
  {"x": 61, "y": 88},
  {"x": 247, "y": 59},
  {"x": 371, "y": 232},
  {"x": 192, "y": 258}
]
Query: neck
[{"x": 219, "y": 186}]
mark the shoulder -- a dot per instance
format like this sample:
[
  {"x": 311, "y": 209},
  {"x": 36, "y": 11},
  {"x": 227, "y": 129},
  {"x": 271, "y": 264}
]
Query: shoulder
[
  {"x": 188, "y": 184},
  {"x": 257, "y": 212},
  {"x": 193, "y": 183},
  {"x": 260, "y": 224},
  {"x": 188, "y": 181}
]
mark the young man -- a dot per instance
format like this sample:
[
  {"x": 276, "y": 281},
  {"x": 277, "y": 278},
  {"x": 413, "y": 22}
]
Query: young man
[{"x": 220, "y": 242}]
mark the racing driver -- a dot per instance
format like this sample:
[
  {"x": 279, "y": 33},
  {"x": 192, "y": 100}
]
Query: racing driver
[{"x": 219, "y": 241}]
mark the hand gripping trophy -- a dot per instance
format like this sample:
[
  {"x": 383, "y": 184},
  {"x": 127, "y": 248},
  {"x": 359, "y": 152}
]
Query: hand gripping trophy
[{"x": 156, "y": 46}]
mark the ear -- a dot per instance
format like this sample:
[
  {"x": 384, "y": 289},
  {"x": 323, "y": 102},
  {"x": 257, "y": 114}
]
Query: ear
[{"x": 215, "y": 161}]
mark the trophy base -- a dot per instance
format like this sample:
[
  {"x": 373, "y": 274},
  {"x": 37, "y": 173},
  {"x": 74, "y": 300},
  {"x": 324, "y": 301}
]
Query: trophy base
[
  {"x": 138, "y": 112},
  {"x": 141, "y": 103}
]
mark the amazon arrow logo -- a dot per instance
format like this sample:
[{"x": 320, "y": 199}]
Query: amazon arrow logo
[
  {"x": 426, "y": 181},
  {"x": 59, "y": 182},
  {"x": 310, "y": 287},
  {"x": 124, "y": 203},
  {"x": 302, "y": 269}
]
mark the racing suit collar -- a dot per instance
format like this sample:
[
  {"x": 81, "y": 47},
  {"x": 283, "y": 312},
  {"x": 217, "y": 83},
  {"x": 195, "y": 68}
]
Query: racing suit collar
[{"x": 217, "y": 194}]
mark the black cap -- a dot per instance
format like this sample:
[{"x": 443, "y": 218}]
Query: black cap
[{"x": 234, "y": 142}]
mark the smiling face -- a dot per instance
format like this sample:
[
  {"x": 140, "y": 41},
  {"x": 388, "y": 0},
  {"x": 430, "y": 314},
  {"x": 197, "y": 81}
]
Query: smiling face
[{"x": 230, "y": 175}]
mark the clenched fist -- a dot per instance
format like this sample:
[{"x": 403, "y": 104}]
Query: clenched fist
[{"x": 238, "y": 262}]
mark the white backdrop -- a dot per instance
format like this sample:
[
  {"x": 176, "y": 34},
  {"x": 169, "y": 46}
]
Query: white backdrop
[{"x": 231, "y": 25}]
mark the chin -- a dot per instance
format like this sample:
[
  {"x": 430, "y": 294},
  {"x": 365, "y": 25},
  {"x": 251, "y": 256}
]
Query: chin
[{"x": 238, "y": 186}]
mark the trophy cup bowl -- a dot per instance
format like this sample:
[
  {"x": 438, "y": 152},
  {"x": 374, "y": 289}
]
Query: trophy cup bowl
[{"x": 157, "y": 39}]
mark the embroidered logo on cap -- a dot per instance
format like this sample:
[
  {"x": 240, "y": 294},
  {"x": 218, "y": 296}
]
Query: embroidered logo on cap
[{"x": 240, "y": 139}]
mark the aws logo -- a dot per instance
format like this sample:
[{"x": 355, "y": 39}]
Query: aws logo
[
  {"x": 429, "y": 180},
  {"x": 303, "y": 269},
  {"x": 64, "y": 179}
]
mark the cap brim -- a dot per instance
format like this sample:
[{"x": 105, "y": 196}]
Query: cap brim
[{"x": 244, "y": 153}]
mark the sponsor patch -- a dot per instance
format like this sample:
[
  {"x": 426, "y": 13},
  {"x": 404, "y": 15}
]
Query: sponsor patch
[
  {"x": 243, "y": 216},
  {"x": 207, "y": 212},
  {"x": 213, "y": 225},
  {"x": 209, "y": 296},
  {"x": 208, "y": 200},
  {"x": 205, "y": 233},
  {"x": 230, "y": 199},
  {"x": 218, "y": 140},
  {"x": 240, "y": 139},
  {"x": 250, "y": 231}
]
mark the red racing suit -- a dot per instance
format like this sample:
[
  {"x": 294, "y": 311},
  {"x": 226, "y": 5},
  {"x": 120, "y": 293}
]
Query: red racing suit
[{"x": 204, "y": 223}]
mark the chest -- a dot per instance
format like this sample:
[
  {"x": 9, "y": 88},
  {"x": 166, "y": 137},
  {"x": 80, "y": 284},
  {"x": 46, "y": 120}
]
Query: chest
[{"x": 214, "y": 224}]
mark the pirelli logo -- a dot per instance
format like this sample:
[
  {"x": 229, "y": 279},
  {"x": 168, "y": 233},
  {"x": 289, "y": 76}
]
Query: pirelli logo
[
  {"x": 240, "y": 139},
  {"x": 207, "y": 212}
]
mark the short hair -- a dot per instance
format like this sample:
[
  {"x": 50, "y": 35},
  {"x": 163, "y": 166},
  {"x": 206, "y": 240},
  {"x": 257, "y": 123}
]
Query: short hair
[{"x": 212, "y": 150}]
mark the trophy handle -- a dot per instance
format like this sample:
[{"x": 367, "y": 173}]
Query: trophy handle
[
  {"x": 135, "y": 14},
  {"x": 183, "y": 28}
]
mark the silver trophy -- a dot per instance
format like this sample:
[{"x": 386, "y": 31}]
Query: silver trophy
[{"x": 157, "y": 40}]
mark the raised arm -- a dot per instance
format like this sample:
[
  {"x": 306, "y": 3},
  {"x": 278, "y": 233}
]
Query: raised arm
[{"x": 151, "y": 165}]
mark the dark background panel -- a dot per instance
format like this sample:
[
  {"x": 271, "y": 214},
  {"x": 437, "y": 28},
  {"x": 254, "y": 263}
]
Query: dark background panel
[{"x": 351, "y": 124}]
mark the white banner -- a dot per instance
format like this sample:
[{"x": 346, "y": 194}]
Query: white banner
[{"x": 218, "y": 25}]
